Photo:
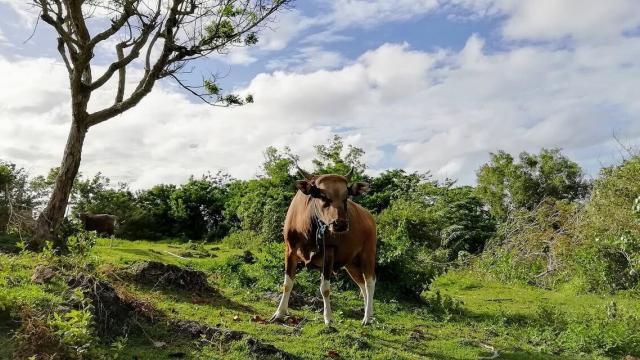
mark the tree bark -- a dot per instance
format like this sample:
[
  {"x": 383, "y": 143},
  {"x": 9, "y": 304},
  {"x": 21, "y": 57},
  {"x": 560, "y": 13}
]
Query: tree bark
[{"x": 52, "y": 216}]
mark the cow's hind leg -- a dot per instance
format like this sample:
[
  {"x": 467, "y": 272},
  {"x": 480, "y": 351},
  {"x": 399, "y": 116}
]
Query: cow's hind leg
[
  {"x": 289, "y": 275},
  {"x": 368, "y": 271},
  {"x": 356, "y": 275}
]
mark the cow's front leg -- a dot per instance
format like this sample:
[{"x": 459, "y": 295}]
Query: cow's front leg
[
  {"x": 289, "y": 275},
  {"x": 370, "y": 287},
  {"x": 325, "y": 285}
]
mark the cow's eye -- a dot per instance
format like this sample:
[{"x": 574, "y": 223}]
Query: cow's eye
[{"x": 325, "y": 198}]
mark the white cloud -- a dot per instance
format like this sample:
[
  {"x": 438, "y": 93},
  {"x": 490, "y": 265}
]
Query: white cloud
[
  {"x": 308, "y": 59},
  {"x": 442, "y": 110},
  {"x": 367, "y": 13},
  {"x": 582, "y": 20}
]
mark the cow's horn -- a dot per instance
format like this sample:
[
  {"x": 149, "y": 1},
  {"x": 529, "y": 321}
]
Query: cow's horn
[
  {"x": 305, "y": 174},
  {"x": 348, "y": 176}
]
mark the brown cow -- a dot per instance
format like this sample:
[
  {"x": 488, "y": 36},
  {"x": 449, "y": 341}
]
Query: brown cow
[
  {"x": 101, "y": 223},
  {"x": 322, "y": 206}
]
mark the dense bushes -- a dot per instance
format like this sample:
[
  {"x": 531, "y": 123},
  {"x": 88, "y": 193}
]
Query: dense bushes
[
  {"x": 594, "y": 244},
  {"x": 424, "y": 232}
]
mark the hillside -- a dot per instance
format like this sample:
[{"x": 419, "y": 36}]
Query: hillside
[{"x": 471, "y": 316}]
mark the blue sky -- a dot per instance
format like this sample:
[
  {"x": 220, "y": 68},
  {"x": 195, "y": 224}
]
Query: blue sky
[{"x": 426, "y": 85}]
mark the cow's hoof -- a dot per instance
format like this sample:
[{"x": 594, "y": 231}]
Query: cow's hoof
[{"x": 276, "y": 317}]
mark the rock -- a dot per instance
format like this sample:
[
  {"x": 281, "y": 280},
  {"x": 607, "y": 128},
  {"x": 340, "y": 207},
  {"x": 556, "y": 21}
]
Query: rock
[
  {"x": 170, "y": 276},
  {"x": 260, "y": 350},
  {"x": 43, "y": 274}
]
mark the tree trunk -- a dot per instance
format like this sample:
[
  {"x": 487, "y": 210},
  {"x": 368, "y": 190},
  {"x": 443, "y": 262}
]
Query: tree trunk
[{"x": 52, "y": 216}]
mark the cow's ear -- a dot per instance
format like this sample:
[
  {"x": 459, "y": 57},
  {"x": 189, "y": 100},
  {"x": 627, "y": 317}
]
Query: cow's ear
[
  {"x": 358, "y": 188},
  {"x": 304, "y": 186}
]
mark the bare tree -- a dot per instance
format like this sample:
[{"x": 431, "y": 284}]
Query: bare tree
[{"x": 158, "y": 36}]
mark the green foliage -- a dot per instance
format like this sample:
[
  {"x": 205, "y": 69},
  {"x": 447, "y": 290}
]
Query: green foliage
[
  {"x": 506, "y": 185},
  {"x": 441, "y": 306},
  {"x": 14, "y": 188},
  {"x": 260, "y": 205},
  {"x": 243, "y": 239},
  {"x": 152, "y": 217},
  {"x": 535, "y": 246},
  {"x": 74, "y": 329},
  {"x": 424, "y": 231},
  {"x": 334, "y": 158},
  {"x": 391, "y": 185},
  {"x": 198, "y": 207}
]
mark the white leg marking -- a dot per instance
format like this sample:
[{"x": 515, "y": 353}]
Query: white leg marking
[
  {"x": 325, "y": 290},
  {"x": 370, "y": 287},
  {"x": 283, "y": 308}
]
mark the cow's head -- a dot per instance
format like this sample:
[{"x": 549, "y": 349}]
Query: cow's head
[{"x": 330, "y": 193}]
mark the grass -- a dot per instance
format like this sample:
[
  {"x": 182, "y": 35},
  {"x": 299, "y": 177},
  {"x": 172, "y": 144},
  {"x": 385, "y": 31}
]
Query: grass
[{"x": 519, "y": 321}]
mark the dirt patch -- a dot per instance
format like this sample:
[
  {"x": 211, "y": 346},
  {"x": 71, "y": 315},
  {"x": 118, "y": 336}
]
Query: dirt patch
[
  {"x": 197, "y": 254},
  {"x": 260, "y": 350},
  {"x": 248, "y": 258},
  {"x": 196, "y": 330},
  {"x": 169, "y": 276},
  {"x": 113, "y": 314}
]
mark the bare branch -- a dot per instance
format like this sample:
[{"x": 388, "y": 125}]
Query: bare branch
[
  {"x": 63, "y": 54},
  {"x": 123, "y": 61},
  {"x": 122, "y": 72},
  {"x": 128, "y": 11}
]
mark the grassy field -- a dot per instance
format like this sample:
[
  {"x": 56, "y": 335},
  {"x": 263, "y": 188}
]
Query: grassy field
[{"x": 465, "y": 315}]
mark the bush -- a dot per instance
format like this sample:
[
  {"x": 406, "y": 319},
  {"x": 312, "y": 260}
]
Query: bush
[
  {"x": 407, "y": 259},
  {"x": 244, "y": 239},
  {"x": 607, "y": 330},
  {"x": 441, "y": 307},
  {"x": 610, "y": 229},
  {"x": 534, "y": 246}
]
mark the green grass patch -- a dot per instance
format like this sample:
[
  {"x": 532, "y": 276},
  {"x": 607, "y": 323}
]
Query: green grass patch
[{"x": 464, "y": 315}]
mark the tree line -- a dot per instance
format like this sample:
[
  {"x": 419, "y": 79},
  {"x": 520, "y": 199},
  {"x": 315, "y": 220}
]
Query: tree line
[{"x": 532, "y": 218}]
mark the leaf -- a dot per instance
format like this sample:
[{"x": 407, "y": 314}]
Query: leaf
[{"x": 258, "y": 319}]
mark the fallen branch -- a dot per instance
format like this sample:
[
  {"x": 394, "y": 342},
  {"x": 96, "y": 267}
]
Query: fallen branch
[
  {"x": 172, "y": 254},
  {"x": 494, "y": 354}
]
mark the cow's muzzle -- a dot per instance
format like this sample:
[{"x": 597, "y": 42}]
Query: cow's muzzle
[{"x": 339, "y": 226}]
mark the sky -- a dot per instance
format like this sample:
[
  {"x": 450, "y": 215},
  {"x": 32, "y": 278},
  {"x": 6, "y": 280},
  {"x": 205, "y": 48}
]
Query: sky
[{"x": 424, "y": 85}]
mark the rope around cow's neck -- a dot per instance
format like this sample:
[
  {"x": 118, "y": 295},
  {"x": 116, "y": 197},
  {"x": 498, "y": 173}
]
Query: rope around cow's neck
[{"x": 321, "y": 233}]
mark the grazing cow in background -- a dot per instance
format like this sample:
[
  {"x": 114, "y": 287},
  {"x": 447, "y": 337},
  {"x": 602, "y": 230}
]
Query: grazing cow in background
[
  {"x": 324, "y": 229},
  {"x": 101, "y": 223}
]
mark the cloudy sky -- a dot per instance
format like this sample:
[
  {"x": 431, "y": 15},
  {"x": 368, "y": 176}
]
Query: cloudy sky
[{"x": 419, "y": 84}]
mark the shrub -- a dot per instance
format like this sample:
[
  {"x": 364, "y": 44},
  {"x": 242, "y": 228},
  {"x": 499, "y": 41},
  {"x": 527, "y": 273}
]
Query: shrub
[
  {"x": 407, "y": 259},
  {"x": 535, "y": 246},
  {"x": 441, "y": 307},
  {"x": 244, "y": 239},
  {"x": 610, "y": 229}
]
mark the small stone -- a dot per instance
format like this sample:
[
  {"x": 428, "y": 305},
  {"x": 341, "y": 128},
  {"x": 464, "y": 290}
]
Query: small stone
[{"x": 43, "y": 274}]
